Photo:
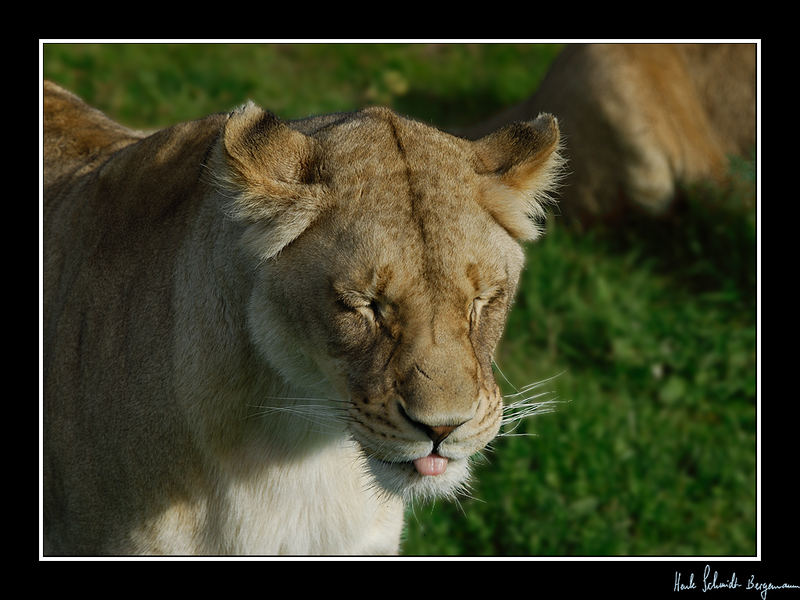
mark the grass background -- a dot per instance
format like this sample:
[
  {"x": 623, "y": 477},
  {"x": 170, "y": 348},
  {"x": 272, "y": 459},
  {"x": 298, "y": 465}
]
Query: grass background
[{"x": 650, "y": 326}]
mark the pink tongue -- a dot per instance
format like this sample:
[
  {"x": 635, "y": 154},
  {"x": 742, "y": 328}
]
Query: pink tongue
[{"x": 433, "y": 464}]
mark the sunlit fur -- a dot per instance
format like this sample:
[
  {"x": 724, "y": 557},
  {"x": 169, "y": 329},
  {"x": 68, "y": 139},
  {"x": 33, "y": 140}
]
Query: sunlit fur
[{"x": 253, "y": 327}]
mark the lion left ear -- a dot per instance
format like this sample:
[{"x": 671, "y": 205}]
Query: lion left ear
[
  {"x": 522, "y": 165},
  {"x": 267, "y": 169}
]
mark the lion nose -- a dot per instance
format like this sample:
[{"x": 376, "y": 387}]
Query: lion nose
[{"x": 437, "y": 434}]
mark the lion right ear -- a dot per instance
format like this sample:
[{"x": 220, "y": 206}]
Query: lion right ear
[
  {"x": 521, "y": 166},
  {"x": 268, "y": 171}
]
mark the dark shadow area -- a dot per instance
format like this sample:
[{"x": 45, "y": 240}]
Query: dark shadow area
[{"x": 707, "y": 242}]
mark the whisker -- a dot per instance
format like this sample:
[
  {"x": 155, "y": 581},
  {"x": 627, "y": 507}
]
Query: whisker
[
  {"x": 525, "y": 389},
  {"x": 526, "y": 402},
  {"x": 327, "y": 415},
  {"x": 525, "y": 408},
  {"x": 496, "y": 366},
  {"x": 294, "y": 398},
  {"x": 457, "y": 501}
]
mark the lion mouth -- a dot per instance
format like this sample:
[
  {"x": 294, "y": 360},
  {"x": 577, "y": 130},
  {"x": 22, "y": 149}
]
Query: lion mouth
[
  {"x": 430, "y": 465},
  {"x": 424, "y": 478}
]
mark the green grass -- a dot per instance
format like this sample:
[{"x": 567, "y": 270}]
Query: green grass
[
  {"x": 650, "y": 326},
  {"x": 159, "y": 84}
]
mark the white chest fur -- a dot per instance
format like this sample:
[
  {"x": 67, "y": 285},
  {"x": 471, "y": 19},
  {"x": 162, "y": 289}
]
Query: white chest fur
[{"x": 320, "y": 502}]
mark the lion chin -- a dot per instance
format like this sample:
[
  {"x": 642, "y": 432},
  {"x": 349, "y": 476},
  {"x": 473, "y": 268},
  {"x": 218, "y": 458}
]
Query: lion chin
[{"x": 405, "y": 480}]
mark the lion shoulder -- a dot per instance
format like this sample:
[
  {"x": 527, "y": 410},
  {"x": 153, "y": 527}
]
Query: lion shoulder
[{"x": 75, "y": 133}]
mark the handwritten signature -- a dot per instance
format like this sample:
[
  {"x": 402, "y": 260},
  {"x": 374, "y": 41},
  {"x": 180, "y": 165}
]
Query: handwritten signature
[{"x": 713, "y": 582}]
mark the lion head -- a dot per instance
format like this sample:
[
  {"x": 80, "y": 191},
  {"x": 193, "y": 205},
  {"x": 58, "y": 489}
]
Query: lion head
[{"x": 386, "y": 256}]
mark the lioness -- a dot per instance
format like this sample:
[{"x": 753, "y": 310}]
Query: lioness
[
  {"x": 640, "y": 120},
  {"x": 265, "y": 336}
]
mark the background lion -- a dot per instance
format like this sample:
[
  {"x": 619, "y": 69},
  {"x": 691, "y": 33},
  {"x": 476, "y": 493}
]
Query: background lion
[{"x": 642, "y": 120}]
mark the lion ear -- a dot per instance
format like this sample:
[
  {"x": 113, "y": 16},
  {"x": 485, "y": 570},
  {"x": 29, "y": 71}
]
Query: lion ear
[
  {"x": 268, "y": 171},
  {"x": 522, "y": 166}
]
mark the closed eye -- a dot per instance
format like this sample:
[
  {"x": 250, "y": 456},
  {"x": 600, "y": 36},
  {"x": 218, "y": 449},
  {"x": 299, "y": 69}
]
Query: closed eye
[
  {"x": 481, "y": 302},
  {"x": 369, "y": 308}
]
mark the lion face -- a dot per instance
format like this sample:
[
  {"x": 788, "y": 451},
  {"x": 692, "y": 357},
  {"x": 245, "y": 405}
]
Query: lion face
[{"x": 388, "y": 260}]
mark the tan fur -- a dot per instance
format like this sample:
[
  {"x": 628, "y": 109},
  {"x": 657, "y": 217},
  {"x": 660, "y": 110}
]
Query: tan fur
[
  {"x": 640, "y": 119},
  {"x": 252, "y": 327}
]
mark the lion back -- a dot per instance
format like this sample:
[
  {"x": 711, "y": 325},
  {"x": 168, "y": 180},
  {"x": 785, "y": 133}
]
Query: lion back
[{"x": 75, "y": 134}]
